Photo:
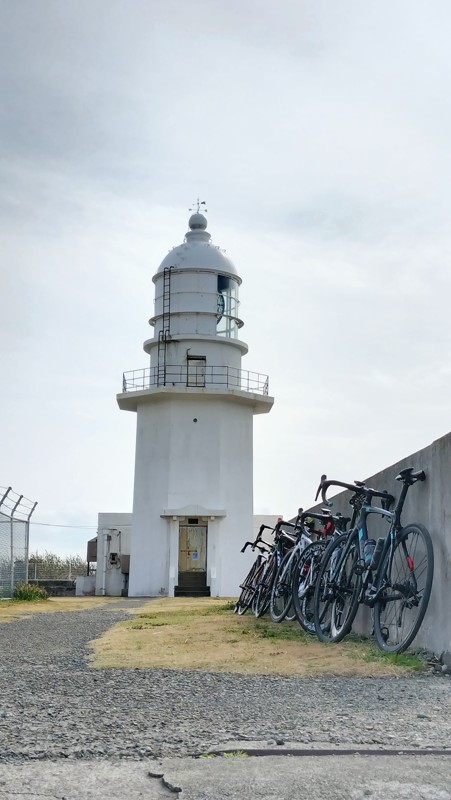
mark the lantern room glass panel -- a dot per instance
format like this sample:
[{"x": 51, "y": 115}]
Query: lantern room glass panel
[{"x": 227, "y": 307}]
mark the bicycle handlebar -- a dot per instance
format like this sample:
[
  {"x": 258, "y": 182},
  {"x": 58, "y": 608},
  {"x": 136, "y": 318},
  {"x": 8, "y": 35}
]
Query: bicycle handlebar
[
  {"x": 263, "y": 546},
  {"x": 358, "y": 488}
]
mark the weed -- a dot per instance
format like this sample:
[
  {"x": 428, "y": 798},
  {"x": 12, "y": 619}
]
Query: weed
[
  {"x": 222, "y": 608},
  {"x": 365, "y": 649},
  {"x": 408, "y": 660},
  {"x": 30, "y": 592},
  {"x": 282, "y": 630},
  {"x": 235, "y": 754},
  {"x": 142, "y": 626}
]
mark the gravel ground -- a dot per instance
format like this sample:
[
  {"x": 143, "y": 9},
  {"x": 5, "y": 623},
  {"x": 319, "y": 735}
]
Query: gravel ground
[{"x": 54, "y": 706}]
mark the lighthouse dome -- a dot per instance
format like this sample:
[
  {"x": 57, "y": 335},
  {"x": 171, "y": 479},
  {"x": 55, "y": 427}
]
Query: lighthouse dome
[{"x": 198, "y": 251}]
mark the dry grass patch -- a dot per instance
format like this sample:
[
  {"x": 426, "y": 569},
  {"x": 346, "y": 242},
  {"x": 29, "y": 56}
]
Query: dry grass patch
[
  {"x": 205, "y": 634},
  {"x": 15, "y": 609}
]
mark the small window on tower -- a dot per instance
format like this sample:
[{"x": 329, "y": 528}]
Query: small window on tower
[{"x": 196, "y": 368}]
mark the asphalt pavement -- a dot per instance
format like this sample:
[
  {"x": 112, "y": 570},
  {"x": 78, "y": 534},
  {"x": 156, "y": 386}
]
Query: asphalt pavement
[{"x": 354, "y": 777}]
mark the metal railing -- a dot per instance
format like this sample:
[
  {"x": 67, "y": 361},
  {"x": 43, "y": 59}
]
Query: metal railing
[{"x": 196, "y": 376}]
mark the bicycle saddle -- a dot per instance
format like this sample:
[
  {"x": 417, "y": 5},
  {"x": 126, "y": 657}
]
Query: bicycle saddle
[{"x": 409, "y": 476}]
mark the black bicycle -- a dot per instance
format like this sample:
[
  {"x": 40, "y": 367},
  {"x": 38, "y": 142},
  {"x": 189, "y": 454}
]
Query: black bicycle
[
  {"x": 252, "y": 579},
  {"x": 283, "y": 542},
  {"x": 393, "y": 576},
  {"x": 306, "y": 568},
  {"x": 281, "y": 602}
]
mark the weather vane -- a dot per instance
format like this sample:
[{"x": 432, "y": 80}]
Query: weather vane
[{"x": 198, "y": 204}]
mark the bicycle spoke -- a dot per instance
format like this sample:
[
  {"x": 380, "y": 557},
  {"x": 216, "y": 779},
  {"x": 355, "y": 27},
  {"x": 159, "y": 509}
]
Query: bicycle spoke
[
  {"x": 402, "y": 603},
  {"x": 337, "y": 589}
]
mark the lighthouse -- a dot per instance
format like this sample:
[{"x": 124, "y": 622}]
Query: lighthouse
[{"x": 193, "y": 487}]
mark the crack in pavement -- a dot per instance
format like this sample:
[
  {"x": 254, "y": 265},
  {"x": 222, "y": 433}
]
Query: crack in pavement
[{"x": 354, "y": 751}]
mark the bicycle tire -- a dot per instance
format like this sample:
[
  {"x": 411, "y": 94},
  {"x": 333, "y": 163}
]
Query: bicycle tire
[
  {"x": 332, "y": 595},
  {"x": 410, "y": 571},
  {"x": 304, "y": 573},
  {"x": 281, "y": 591},
  {"x": 263, "y": 594},
  {"x": 248, "y": 590}
]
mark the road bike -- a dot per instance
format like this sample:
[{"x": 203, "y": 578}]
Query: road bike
[
  {"x": 305, "y": 570},
  {"x": 281, "y": 601},
  {"x": 283, "y": 542},
  {"x": 251, "y": 581},
  {"x": 393, "y": 576}
]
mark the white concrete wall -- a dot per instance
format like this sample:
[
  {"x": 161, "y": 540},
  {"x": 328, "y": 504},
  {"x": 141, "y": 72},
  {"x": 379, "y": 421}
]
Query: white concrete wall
[
  {"x": 213, "y": 349},
  {"x": 201, "y": 468},
  {"x": 85, "y": 585}
]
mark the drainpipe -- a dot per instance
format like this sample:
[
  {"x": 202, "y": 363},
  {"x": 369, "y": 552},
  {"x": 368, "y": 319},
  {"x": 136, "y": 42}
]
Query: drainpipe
[{"x": 106, "y": 538}]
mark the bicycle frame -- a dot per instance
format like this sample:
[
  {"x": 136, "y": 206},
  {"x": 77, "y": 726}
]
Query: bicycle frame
[
  {"x": 367, "y": 597},
  {"x": 360, "y": 567},
  {"x": 296, "y": 551}
]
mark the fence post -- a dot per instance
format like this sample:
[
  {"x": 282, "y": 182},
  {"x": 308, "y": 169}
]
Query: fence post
[
  {"x": 12, "y": 557},
  {"x": 27, "y": 544}
]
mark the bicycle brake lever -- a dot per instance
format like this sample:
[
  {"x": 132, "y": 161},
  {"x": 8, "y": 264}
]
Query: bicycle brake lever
[{"x": 323, "y": 480}]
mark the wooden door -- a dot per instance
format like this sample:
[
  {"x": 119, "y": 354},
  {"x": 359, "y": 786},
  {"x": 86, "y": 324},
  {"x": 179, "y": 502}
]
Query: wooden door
[{"x": 193, "y": 548}]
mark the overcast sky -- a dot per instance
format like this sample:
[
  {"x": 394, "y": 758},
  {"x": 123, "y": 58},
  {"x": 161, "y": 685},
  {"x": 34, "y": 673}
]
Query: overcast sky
[{"x": 319, "y": 133}]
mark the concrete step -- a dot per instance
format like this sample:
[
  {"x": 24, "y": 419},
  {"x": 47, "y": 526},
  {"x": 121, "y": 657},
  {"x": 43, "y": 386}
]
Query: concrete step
[{"x": 186, "y": 591}]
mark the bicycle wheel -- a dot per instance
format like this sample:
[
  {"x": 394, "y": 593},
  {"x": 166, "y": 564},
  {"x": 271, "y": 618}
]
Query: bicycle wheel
[
  {"x": 248, "y": 589},
  {"x": 337, "y": 588},
  {"x": 406, "y": 582},
  {"x": 303, "y": 584},
  {"x": 281, "y": 592},
  {"x": 263, "y": 594}
]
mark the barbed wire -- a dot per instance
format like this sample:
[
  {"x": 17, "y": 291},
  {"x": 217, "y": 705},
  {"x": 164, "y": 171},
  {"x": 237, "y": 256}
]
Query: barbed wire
[{"x": 15, "y": 506}]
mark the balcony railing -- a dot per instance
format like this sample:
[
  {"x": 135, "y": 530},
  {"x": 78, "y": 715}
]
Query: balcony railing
[{"x": 195, "y": 376}]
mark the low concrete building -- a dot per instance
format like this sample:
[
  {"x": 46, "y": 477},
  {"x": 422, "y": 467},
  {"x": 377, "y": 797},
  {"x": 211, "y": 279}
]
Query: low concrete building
[{"x": 110, "y": 551}]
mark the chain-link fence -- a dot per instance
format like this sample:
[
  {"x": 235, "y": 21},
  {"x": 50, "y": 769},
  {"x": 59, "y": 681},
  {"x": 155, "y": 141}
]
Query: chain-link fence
[
  {"x": 15, "y": 513},
  {"x": 43, "y": 566}
]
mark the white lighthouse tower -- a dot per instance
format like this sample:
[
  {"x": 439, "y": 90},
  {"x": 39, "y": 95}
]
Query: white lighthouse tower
[{"x": 193, "y": 492}]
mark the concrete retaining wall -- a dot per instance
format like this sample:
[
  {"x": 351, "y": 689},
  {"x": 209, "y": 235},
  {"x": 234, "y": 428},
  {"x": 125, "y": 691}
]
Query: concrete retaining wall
[{"x": 430, "y": 504}]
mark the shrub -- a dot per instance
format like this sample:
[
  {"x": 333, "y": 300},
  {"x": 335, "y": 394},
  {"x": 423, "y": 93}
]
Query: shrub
[{"x": 29, "y": 591}]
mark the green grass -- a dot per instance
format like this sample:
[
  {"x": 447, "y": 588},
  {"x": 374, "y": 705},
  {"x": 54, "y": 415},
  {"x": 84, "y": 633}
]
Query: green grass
[
  {"x": 224, "y": 608},
  {"x": 367, "y": 650},
  {"x": 158, "y": 619},
  {"x": 357, "y": 647},
  {"x": 291, "y": 631}
]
